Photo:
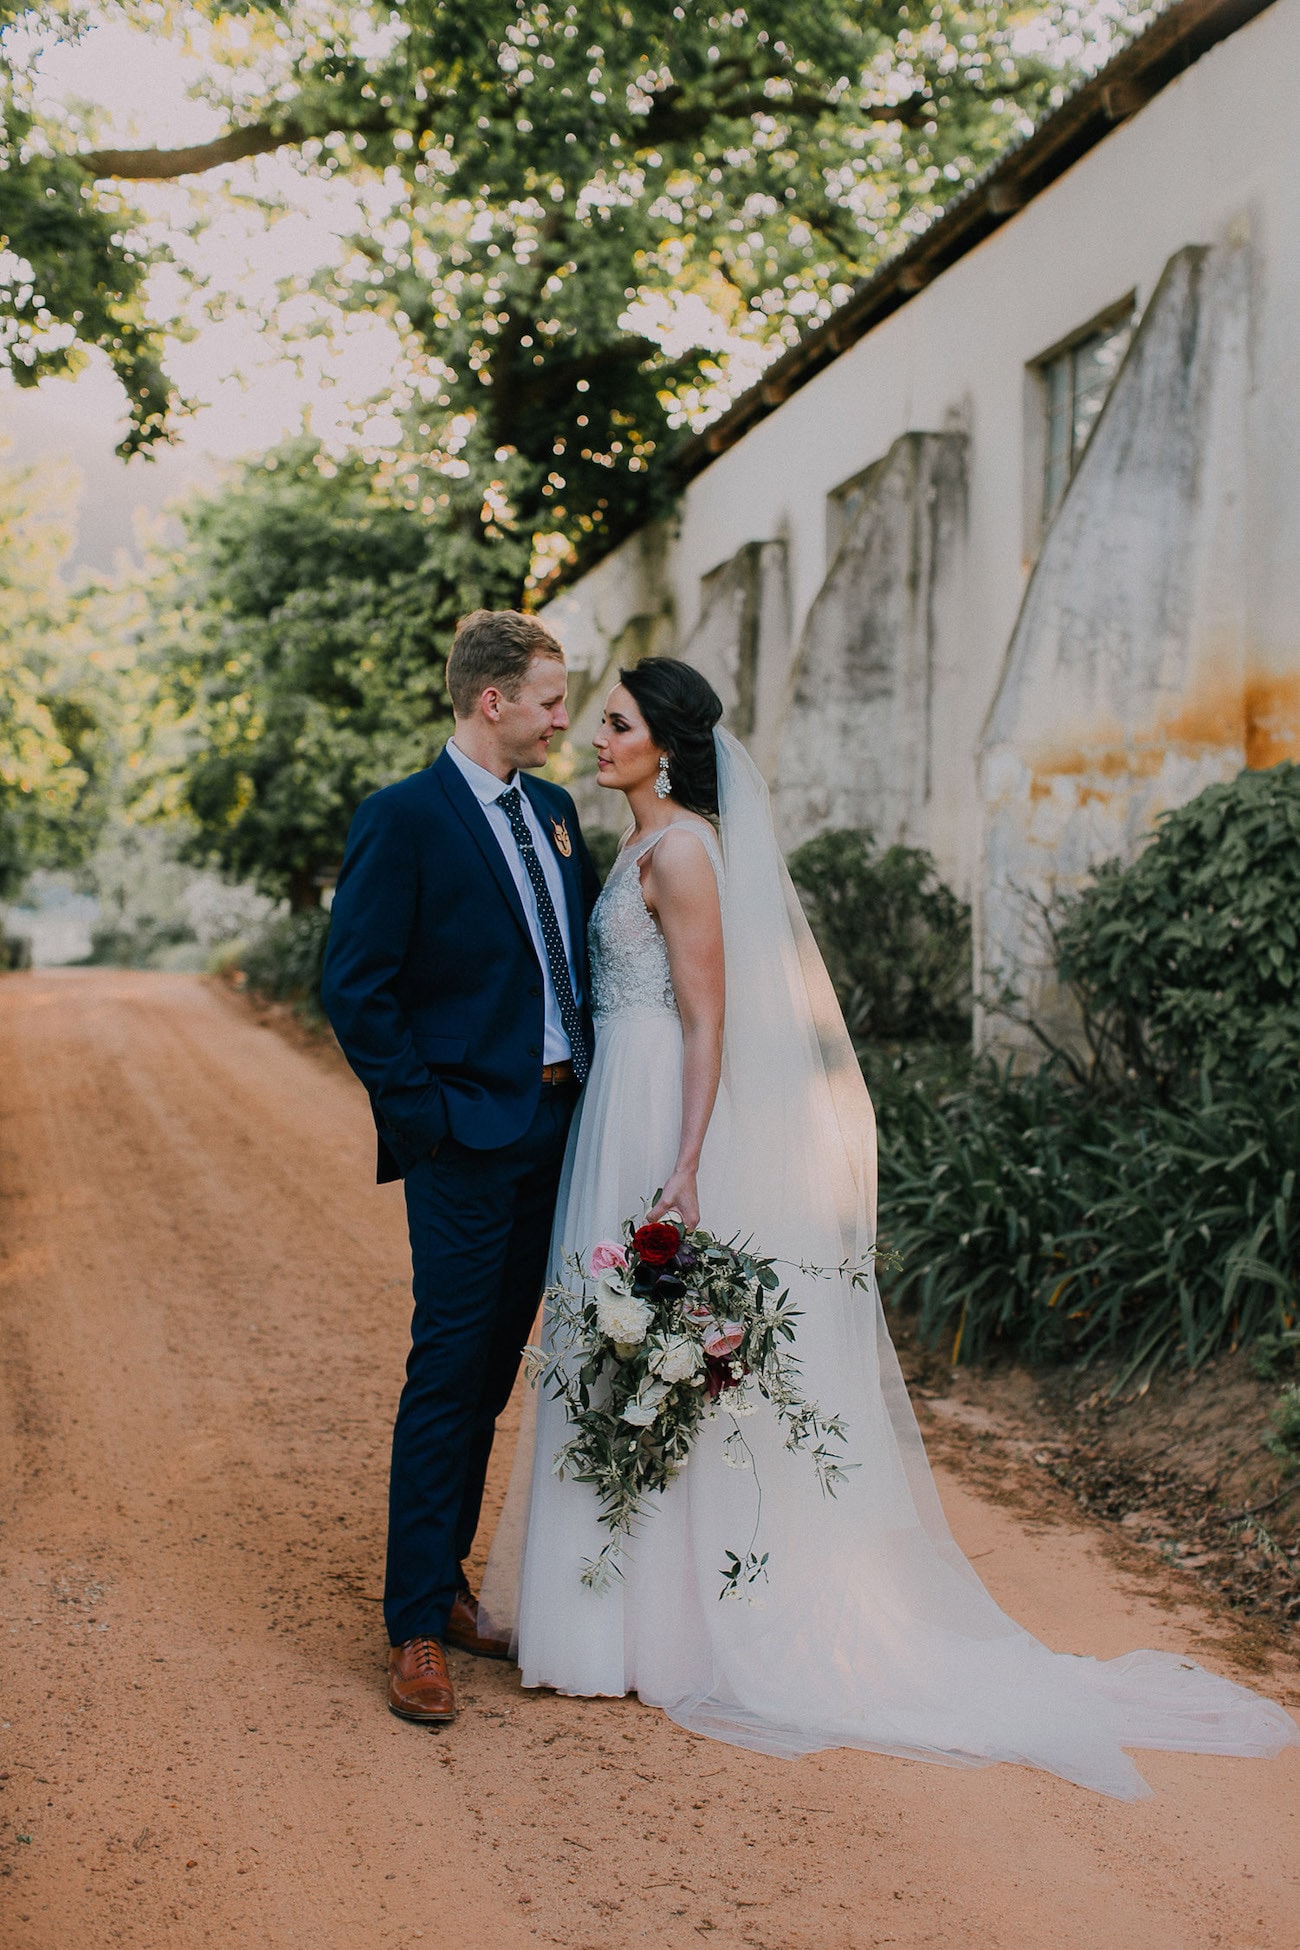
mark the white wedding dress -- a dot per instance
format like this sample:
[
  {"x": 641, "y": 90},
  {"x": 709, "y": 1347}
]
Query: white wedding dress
[{"x": 873, "y": 1630}]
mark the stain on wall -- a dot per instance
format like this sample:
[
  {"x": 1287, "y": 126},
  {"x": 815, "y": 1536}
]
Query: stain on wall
[
  {"x": 744, "y": 628},
  {"x": 857, "y": 744},
  {"x": 1129, "y": 683}
]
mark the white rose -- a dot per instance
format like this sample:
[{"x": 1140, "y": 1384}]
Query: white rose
[
  {"x": 676, "y": 1358},
  {"x": 620, "y": 1315},
  {"x": 641, "y": 1412}
]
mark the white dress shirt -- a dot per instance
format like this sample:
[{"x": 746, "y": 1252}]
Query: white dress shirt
[{"x": 487, "y": 789}]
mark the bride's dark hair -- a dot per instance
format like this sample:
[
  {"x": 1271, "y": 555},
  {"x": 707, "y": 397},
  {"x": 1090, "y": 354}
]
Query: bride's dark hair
[{"x": 681, "y": 708}]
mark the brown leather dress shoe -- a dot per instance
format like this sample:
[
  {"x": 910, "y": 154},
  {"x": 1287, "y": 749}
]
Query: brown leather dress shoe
[
  {"x": 418, "y": 1685},
  {"x": 463, "y": 1629}
]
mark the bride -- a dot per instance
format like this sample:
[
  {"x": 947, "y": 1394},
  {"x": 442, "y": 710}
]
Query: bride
[{"x": 723, "y": 1073}]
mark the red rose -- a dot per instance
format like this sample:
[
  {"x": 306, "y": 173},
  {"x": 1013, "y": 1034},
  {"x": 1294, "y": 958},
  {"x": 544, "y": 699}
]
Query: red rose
[{"x": 656, "y": 1244}]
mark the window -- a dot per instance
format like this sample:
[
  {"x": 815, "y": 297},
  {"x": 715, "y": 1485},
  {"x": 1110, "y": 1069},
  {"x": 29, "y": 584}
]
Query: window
[{"x": 1075, "y": 381}]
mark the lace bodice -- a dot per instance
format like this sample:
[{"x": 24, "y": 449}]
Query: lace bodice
[{"x": 629, "y": 957}]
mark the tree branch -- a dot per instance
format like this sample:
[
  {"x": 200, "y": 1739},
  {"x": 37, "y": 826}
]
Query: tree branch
[
  {"x": 255, "y": 139},
  {"x": 161, "y": 165}
]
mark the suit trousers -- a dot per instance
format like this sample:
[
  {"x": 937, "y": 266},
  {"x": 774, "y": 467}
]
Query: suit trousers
[{"x": 480, "y": 1226}]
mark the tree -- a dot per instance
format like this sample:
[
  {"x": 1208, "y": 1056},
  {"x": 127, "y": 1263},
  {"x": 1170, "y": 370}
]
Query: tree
[
  {"x": 592, "y": 198},
  {"x": 71, "y": 272},
  {"x": 299, "y": 643},
  {"x": 52, "y": 755}
]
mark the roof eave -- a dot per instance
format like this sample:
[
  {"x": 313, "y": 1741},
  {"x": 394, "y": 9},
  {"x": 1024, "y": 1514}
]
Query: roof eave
[{"x": 1172, "y": 44}]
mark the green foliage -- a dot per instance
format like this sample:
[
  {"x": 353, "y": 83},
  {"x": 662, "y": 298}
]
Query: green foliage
[
  {"x": 300, "y": 646},
  {"x": 1035, "y": 1217},
  {"x": 1283, "y": 1440},
  {"x": 570, "y": 174},
  {"x": 285, "y": 960},
  {"x": 74, "y": 279},
  {"x": 1189, "y": 957},
  {"x": 52, "y": 754},
  {"x": 1274, "y": 1352},
  {"x": 583, "y": 176},
  {"x": 897, "y": 942}
]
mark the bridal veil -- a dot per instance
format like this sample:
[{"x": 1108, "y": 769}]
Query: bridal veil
[{"x": 873, "y": 1631}]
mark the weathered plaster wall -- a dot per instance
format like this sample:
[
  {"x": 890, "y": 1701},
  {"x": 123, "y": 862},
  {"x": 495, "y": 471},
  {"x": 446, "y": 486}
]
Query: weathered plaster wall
[
  {"x": 1213, "y": 162},
  {"x": 742, "y": 632},
  {"x": 1125, "y": 689},
  {"x": 858, "y": 743}
]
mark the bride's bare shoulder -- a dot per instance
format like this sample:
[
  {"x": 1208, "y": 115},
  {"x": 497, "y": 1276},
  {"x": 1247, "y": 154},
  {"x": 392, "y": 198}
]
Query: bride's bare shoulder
[{"x": 680, "y": 864}]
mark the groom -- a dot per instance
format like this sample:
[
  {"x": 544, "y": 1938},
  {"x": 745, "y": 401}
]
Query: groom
[{"x": 456, "y": 981}]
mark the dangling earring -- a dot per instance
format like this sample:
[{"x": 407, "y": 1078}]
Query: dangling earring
[{"x": 663, "y": 784}]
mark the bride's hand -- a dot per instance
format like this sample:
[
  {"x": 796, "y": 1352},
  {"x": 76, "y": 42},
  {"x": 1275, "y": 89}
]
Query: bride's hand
[{"x": 679, "y": 1195}]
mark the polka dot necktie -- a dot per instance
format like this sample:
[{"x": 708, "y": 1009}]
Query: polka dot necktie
[{"x": 511, "y": 804}]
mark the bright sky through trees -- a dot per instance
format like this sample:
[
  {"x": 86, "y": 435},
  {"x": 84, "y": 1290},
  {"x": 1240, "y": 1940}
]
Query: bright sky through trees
[{"x": 249, "y": 344}]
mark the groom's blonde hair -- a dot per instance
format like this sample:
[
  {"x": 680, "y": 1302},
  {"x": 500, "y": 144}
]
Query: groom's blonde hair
[{"x": 494, "y": 648}]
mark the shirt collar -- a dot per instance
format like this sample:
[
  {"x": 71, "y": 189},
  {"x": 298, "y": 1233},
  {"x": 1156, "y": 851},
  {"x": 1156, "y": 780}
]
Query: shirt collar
[{"x": 486, "y": 786}]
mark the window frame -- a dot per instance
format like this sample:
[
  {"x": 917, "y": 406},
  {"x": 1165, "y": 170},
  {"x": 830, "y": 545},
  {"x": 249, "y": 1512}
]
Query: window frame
[{"x": 1039, "y": 417}]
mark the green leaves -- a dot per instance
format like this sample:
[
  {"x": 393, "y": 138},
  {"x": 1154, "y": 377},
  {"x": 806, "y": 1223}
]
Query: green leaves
[
  {"x": 1188, "y": 957},
  {"x": 52, "y": 741},
  {"x": 299, "y": 645},
  {"x": 71, "y": 276},
  {"x": 896, "y": 940},
  {"x": 1035, "y": 1217},
  {"x": 600, "y": 206}
]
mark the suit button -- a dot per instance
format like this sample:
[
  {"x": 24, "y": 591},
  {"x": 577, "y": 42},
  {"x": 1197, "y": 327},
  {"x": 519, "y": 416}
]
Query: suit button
[
  {"x": 534, "y": 1049},
  {"x": 536, "y": 989}
]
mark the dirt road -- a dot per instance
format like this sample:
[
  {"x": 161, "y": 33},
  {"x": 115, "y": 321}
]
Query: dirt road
[{"x": 203, "y": 1308}]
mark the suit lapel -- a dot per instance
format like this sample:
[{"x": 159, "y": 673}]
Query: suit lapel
[
  {"x": 570, "y": 876},
  {"x": 464, "y": 803}
]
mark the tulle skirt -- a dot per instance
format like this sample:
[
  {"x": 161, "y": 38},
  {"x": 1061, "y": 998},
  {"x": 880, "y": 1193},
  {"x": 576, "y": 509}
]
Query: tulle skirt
[{"x": 873, "y": 1630}]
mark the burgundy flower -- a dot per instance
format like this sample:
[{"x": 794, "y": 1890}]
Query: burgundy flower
[
  {"x": 720, "y": 1375},
  {"x": 656, "y": 1244}
]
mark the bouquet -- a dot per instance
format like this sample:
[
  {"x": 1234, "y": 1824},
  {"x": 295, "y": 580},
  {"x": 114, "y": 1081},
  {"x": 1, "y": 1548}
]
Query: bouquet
[{"x": 655, "y": 1335}]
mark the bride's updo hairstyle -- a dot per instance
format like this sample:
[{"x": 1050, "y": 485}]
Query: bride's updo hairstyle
[{"x": 680, "y": 708}]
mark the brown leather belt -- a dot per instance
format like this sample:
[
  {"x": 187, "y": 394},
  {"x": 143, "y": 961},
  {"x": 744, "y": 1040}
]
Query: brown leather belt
[{"x": 557, "y": 1073}]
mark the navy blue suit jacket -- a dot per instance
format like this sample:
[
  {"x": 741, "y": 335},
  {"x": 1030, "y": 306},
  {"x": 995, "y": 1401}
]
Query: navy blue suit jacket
[{"x": 431, "y": 981}]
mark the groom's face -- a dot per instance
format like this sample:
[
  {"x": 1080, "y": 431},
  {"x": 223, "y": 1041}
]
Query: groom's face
[{"x": 527, "y": 723}]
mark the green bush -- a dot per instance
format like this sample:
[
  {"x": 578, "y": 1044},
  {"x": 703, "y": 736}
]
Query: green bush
[
  {"x": 1283, "y": 1439},
  {"x": 1272, "y": 1353},
  {"x": 1035, "y": 1217},
  {"x": 1189, "y": 958},
  {"x": 602, "y": 846},
  {"x": 897, "y": 942},
  {"x": 285, "y": 960}
]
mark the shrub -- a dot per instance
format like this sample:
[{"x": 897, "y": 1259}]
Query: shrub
[
  {"x": 285, "y": 960},
  {"x": 1034, "y": 1217},
  {"x": 1187, "y": 958},
  {"x": 1273, "y": 1352},
  {"x": 1283, "y": 1439},
  {"x": 897, "y": 942}
]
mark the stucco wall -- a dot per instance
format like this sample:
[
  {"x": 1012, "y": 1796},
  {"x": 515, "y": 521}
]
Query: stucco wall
[
  {"x": 1126, "y": 685},
  {"x": 1212, "y": 164}
]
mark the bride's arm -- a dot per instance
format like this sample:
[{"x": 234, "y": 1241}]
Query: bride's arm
[{"x": 682, "y": 893}]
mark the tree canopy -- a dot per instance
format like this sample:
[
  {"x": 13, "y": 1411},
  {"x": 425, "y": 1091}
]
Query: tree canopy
[
  {"x": 298, "y": 646},
  {"x": 51, "y": 745},
  {"x": 593, "y": 220},
  {"x": 589, "y": 201}
]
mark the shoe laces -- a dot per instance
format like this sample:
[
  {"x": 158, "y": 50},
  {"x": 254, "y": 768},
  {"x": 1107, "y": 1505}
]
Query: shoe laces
[{"x": 429, "y": 1657}]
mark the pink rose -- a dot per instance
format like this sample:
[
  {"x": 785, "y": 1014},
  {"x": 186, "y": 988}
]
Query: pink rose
[
  {"x": 724, "y": 1340},
  {"x": 605, "y": 1255}
]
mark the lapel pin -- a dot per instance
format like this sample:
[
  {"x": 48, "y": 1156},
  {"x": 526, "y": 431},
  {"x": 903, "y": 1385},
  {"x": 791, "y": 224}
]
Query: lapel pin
[{"x": 560, "y": 833}]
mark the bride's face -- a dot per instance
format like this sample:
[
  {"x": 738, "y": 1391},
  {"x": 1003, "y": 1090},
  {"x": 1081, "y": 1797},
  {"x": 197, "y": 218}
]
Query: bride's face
[{"x": 626, "y": 755}]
